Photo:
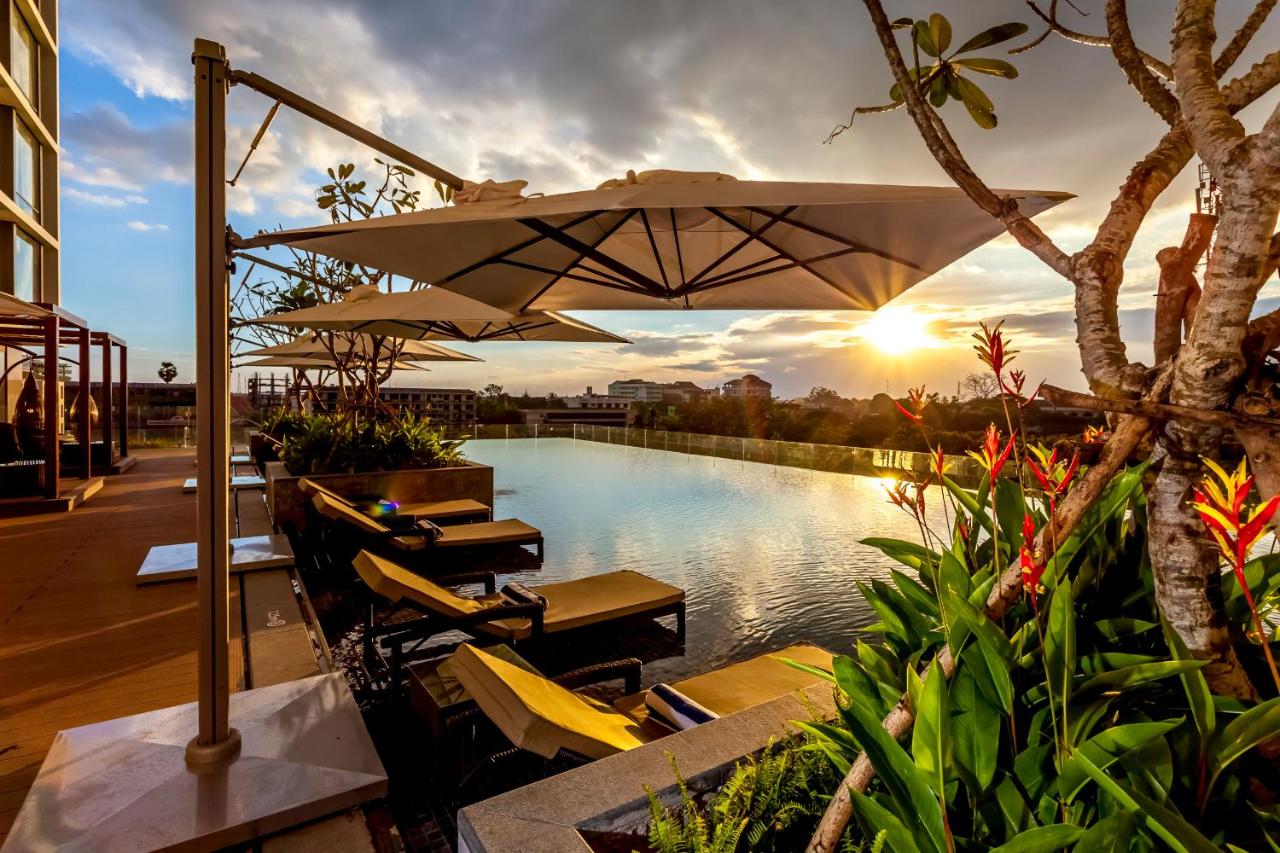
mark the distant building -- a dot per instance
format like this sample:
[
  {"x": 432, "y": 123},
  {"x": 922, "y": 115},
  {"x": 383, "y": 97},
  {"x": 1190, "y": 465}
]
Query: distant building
[
  {"x": 591, "y": 400},
  {"x": 613, "y": 416},
  {"x": 748, "y": 386},
  {"x": 639, "y": 390},
  {"x": 685, "y": 391},
  {"x": 445, "y": 406}
]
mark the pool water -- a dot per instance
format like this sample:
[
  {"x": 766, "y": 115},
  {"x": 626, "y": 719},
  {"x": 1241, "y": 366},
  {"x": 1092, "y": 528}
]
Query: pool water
[{"x": 767, "y": 555}]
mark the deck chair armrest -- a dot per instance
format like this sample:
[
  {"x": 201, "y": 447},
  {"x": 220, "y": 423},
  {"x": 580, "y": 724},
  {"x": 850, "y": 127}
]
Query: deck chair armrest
[
  {"x": 489, "y": 579},
  {"x": 503, "y": 611},
  {"x": 396, "y": 533},
  {"x": 627, "y": 669}
]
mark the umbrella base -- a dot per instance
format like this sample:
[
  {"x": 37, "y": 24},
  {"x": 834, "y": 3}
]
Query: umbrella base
[{"x": 125, "y": 784}]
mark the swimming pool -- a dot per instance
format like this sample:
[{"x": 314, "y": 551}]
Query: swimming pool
[{"x": 768, "y": 555}]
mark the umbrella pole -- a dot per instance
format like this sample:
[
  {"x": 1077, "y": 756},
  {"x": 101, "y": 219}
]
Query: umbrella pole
[{"x": 216, "y": 742}]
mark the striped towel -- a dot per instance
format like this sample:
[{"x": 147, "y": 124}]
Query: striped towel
[{"x": 672, "y": 708}]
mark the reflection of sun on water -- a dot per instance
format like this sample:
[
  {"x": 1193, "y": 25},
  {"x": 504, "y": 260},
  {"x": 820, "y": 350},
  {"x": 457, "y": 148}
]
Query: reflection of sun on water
[
  {"x": 888, "y": 483},
  {"x": 897, "y": 331}
]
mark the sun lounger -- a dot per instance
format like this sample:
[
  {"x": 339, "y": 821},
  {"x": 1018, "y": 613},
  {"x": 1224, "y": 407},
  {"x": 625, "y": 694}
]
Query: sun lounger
[
  {"x": 514, "y": 615},
  {"x": 452, "y": 511},
  {"x": 417, "y": 540},
  {"x": 546, "y": 718}
]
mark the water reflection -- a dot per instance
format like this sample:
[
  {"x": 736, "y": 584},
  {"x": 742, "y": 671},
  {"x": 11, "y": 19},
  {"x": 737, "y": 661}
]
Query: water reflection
[{"x": 768, "y": 555}]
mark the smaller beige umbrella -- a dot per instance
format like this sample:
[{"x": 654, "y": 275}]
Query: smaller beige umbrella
[
  {"x": 528, "y": 326},
  {"x": 403, "y": 314},
  {"x": 325, "y": 346},
  {"x": 304, "y": 362}
]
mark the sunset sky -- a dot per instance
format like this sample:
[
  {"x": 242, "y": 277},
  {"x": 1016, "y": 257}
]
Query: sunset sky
[{"x": 567, "y": 94}]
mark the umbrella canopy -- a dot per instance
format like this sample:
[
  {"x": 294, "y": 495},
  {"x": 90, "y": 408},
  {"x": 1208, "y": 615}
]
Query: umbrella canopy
[
  {"x": 666, "y": 242},
  {"x": 342, "y": 344},
  {"x": 411, "y": 312},
  {"x": 528, "y": 326}
]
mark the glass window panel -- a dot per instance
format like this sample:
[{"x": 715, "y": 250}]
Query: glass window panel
[
  {"x": 23, "y": 51},
  {"x": 24, "y": 267},
  {"x": 25, "y": 167}
]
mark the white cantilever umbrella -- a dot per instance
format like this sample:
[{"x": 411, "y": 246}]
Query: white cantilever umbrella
[
  {"x": 317, "y": 362},
  {"x": 324, "y": 346},
  {"x": 672, "y": 240}
]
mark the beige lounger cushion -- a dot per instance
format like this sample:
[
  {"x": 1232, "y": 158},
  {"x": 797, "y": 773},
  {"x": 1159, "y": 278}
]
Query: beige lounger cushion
[
  {"x": 396, "y": 583},
  {"x": 442, "y": 509},
  {"x": 539, "y": 715},
  {"x": 592, "y": 601},
  {"x": 486, "y": 533},
  {"x": 746, "y": 684}
]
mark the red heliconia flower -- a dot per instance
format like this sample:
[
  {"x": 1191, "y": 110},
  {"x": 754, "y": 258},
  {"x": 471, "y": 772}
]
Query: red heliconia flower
[
  {"x": 939, "y": 463},
  {"x": 1032, "y": 569},
  {"x": 962, "y": 529},
  {"x": 993, "y": 350},
  {"x": 918, "y": 402},
  {"x": 909, "y": 496},
  {"x": 1095, "y": 435},
  {"x": 1049, "y": 472},
  {"x": 991, "y": 457},
  {"x": 1221, "y": 507}
]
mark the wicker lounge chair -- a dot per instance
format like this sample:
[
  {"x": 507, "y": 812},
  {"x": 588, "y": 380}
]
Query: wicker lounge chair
[
  {"x": 544, "y": 716},
  {"x": 517, "y": 614}
]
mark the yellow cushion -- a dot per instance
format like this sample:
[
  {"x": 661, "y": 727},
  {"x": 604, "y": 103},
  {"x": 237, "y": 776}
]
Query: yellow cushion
[
  {"x": 338, "y": 509},
  {"x": 487, "y": 533},
  {"x": 396, "y": 583},
  {"x": 746, "y": 684},
  {"x": 592, "y": 601},
  {"x": 539, "y": 715}
]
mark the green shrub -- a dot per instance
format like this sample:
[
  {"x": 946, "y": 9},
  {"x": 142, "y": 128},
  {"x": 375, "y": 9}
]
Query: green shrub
[{"x": 324, "y": 444}]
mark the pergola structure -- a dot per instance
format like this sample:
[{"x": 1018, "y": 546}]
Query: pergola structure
[{"x": 26, "y": 327}]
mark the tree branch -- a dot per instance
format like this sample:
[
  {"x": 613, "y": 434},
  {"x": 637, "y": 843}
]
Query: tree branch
[
  {"x": 1204, "y": 105},
  {"x": 1135, "y": 69},
  {"x": 1157, "y": 66},
  {"x": 1243, "y": 36},
  {"x": 1177, "y": 280},
  {"x": 1027, "y": 233},
  {"x": 1156, "y": 411}
]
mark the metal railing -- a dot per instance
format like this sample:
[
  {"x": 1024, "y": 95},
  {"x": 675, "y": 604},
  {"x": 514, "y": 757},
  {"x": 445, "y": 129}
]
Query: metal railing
[{"x": 864, "y": 461}]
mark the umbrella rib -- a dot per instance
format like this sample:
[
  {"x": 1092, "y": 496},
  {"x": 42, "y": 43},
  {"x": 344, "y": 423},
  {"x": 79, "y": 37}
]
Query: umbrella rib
[
  {"x": 719, "y": 282},
  {"x": 836, "y": 238},
  {"x": 562, "y": 273},
  {"x": 790, "y": 257},
  {"x": 605, "y": 235},
  {"x": 587, "y": 250},
  {"x": 770, "y": 221},
  {"x": 653, "y": 244},
  {"x": 716, "y": 280},
  {"x": 470, "y": 268},
  {"x": 675, "y": 235}
]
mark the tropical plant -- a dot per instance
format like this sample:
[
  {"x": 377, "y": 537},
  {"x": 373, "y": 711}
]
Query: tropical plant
[
  {"x": 768, "y": 803},
  {"x": 326, "y": 444}
]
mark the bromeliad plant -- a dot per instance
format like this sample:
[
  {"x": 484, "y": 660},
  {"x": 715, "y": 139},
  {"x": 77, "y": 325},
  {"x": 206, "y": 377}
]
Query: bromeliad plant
[{"x": 1077, "y": 719}]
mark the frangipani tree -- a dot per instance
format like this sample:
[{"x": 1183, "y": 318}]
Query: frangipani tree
[{"x": 1216, "y": 373}]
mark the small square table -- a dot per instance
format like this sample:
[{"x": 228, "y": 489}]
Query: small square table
[{"x": 248, "y": 554}]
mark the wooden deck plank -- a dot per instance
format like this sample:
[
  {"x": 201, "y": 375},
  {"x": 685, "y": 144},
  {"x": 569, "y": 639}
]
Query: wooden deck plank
[{"x": 80, "y": 642}]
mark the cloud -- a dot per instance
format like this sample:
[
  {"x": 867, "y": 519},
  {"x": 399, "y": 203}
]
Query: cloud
[
  {"x": 135, "y": 225},
  {"x": 102, "y": 199},
  {"x": 106, "y": 150}
]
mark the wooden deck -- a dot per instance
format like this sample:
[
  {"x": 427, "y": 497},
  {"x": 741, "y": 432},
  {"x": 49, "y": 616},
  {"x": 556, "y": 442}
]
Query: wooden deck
[{"x": 80, "y": 642}]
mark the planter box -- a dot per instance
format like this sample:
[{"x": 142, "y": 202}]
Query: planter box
[{"x": 468, "y": 480}]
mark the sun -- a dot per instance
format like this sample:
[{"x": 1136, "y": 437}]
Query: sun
[{"x": 896, "y": 331}]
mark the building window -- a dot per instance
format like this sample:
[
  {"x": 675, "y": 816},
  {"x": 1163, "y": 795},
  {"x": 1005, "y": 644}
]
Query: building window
[
  {"x": 23, "y": 53},
  {"x": 24, "y": 266},
  {"x": 26, "y": 167}
]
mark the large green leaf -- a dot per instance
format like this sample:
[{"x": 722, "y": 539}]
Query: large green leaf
[
  {"x": 1060, "y": 647},
  {"x": 913, "y": 555},
  {"x": 994, "y": 67},
  {"x": 919, "y": 597},
  {"x": 970, "y": 503},
  {"x": 974, "y": 724},
  {"x": 1128, "y": 676},
  {"x": 994, "y": 35},
  {"x": 876, "y": 819},
  {"x": 1109, "y": 835},
  {"x": 1199, "y": 697},
  {"x": 993, "y": 652},
  {"x": 916, "y": 625},
  {"x": 860, "y": 686},
  {"x": 931, "y": 735},
  {"x": 940, "y": 30},
  {"x": 1166, "y": 823},
  {"x": 1242, "y": 734},
  {"x": 911, "y": 795},
  {"x": 1105, "y": 748},
  {"x": 1042, "y": 839},
  {"x": 1011, "y": 506}
]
